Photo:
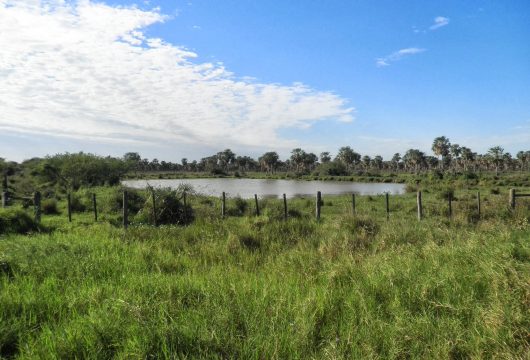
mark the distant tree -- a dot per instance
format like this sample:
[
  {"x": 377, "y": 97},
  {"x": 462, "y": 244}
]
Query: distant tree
[
  {"x": 184, "y": 163},
  {"x": 396, "y": 160},
  {"x": 467, "y": 157},
  {"x": 414, "y": 159},
  {"x": 378, "y": 162},
  {"x": 348, "y": 157},
  {"x": 269, "y": 161},
  {"x": 496, "y": 157},
  {"x": 366, "y": 161},
  {"x": 325, "y": 157},
  {"x": 440, "y": 147}
]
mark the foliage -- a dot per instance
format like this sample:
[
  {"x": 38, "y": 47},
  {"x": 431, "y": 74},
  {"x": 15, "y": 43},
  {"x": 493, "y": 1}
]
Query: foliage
[
  {"x": 168, "y": 207},
  {"x": 16, "y": 221},
  {"x": 49, "y": 207}
]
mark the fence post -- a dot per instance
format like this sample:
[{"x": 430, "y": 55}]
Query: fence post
[
  {"x": 36, "y": 203},
  {"x": 69, "y": 206},
  {"x": 125, "y": 209},
  {"x": 223, "y": 206},
  {"x": 450, "y": 201},
  {"x": 319, "y": 200},
  {"x": 387, "y": 207},
  {"x": 420, "y": 208},
  {"x": 353, "y": 203},
  {"x": 257, "y": 204},
  {"x": 478, "y": 203},
  {"x": 94, "y": 203},
  {"x": 154, "y": 207},
  {"x": 512, "y": 198},
  {"x": 284, "y": 207},
  {"x": 4, "y": 199}
]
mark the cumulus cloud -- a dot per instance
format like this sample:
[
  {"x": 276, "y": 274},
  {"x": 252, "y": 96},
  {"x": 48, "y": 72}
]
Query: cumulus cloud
[
  {"x": 397, "y": 55},
  {"x": 87, "y": 70},
  {"x": 439, "y": 22}
]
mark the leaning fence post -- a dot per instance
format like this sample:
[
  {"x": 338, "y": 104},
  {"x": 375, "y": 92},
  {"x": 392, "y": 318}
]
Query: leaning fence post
[
  {"x": 94, "y": 204},
  {"x": 512, "y": 198},
  {"x": 223, "y": 205},
  {"x": 125, "y": 209},
  {"x": 257, "y": 204},
  {"x": 284, "y": 207},
  {"x": 420, "y": 208},
  {"x": 353, "y": 203},
  {"x": 319, "y": 200},
  {"x": 387, "y": 206},
  {"x": 478, "y": 203},
  {"x": 4, "y": 199},
  {"x": 155, "y": 221},
  {"x": 36, "y": 203},
  {"x": 69, "y": 206}
]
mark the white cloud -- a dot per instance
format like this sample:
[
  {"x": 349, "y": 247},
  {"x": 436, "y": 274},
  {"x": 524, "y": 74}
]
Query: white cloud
[
  {"x": 439, "y": 22},
  {"x": 86, "y": 70},
  {"x": 397, "y": 55}
]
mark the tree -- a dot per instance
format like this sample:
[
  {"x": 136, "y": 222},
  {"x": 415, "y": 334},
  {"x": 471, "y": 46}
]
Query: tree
[
  {"x": 348, "y": 157},
  {"x": 396, "y": 160},
  {"x": 325, "y": 157},
  {"x": 297, "y": 158},
  {"x": 467, "y": 156},
  {"x": 269, "y": 161},
  {"x": 414, "y": 159},
  {"x": 440, "y": 147},
  {"x": 496, "y": 157}
]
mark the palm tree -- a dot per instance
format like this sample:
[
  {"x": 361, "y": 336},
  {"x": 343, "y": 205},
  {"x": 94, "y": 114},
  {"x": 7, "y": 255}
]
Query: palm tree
[
  {"x": 395, "y": 160},
  {"x": 348, "y": 157},
  {"x": 325, "y": 157},
  {"x": 269, "y": 161},
  {"x": 440, "y": 147},
  {"x": 496, "y": 157}
]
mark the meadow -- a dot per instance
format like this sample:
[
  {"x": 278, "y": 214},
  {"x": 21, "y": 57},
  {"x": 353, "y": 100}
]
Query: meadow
[{"x": 347, "y": 286}]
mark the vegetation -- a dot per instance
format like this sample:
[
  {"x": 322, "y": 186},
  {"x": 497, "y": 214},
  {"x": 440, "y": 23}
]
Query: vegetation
[
  {"x": 259, "y": 287},
  {"x": 181, "y": 282}
]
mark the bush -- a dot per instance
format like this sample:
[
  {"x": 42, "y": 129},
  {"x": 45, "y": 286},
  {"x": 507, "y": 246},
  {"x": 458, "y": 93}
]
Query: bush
[
  {"x": 444, "y": 194},
  {"x": 169, "y": 208},
  {"x": 16, "y": 221},
  {"x": 76, "y": 205},
  {"x": 240, "y": 207},
  {"x": 49, "y": 207}
]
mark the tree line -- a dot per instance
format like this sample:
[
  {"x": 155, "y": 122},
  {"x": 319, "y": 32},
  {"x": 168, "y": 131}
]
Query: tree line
[
  {"x": 71, "y": 171},
  {"x": 445, "y": 157}
]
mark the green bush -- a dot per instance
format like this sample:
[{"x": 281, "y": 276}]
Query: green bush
[
  {"x": 169, "y": 207},
  {"x": 16, "y": 221},
  {"x": 49, "y": 207}
]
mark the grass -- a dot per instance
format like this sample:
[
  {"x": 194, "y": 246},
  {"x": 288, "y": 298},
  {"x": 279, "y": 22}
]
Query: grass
[{"x": 258, "y": 287}]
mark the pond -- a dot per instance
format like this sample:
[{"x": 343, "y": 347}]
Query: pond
[{"x": 246, "y": 188}]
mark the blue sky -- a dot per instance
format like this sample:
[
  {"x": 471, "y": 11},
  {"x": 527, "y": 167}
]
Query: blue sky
[{"x": 380, "y": 76}]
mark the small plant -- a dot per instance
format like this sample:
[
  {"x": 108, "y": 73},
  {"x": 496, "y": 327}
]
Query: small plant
[
  {"x": 16, "y": 221},
  {"x": 49, "y": 207}
]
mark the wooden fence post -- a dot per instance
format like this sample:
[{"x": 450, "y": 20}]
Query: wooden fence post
[
  {"x": 284, "y": 207},
  {"x": 36, "y": 203},
  {"x": 420, "y": 207},
  {"x": 319, "y": 200},
  {"x": 450, "y": 203},
  {"x": 353, "y": 203},
  {"x": 512, "y": 198},
  {"x": 69, "y": 206},
  {"x": 125, "y": 209},
  {"x": 155, "y": 220},
  {"x": 94, "y": 204},
  {"x": 478, "y": 203},
  {"x": 387, "y": 206},
  {"x": 223, "y": 206},
  {"x": 4, "y": 199},
  {"x": 257, "y": 204}
]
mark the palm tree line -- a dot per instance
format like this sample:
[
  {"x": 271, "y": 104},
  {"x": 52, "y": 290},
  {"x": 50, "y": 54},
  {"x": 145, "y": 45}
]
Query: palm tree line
[{"x": 445, "y": 157}]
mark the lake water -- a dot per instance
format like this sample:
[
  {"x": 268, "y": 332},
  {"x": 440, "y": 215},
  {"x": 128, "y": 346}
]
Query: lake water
[{"x": 246, "y": 188}]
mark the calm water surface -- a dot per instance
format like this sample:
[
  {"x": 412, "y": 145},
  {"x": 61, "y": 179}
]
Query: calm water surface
[{"x": 246, "y": 188}]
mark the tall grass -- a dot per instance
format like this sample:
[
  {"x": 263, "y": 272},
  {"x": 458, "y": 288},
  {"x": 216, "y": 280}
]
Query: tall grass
[{"x": 349, "y": 286}]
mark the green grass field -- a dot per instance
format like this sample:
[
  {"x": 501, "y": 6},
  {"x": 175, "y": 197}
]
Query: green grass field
[{"x": 258, "y": 287}]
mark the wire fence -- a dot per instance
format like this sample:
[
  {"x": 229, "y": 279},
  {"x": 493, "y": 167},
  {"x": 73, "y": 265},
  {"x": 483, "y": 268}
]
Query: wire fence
[{"x": 426, "y": 205}]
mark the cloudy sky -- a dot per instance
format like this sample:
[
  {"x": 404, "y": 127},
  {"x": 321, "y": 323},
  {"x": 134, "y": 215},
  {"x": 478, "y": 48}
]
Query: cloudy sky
[{"x": 173, "y": 79}]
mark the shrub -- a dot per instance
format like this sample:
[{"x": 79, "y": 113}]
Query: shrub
[
  {"x": 16, "y": 221},
  {"x": 49, "y": 207},
  {"x": 169, "y": 208},
  {"x": 76, "y": 204},
  {"x": 240, "y": 207},
  {"x": 444, "y": 194}
]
